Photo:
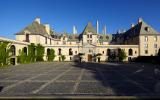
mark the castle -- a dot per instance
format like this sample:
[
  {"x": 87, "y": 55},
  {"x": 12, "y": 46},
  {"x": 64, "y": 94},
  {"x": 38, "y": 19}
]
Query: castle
[{"x": 140, "y": 40}]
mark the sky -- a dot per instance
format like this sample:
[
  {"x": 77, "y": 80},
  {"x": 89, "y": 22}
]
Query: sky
[{"x": 63, "y": 14}]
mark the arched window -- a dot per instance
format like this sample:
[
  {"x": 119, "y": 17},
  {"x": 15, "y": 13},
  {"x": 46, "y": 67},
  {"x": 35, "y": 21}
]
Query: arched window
[
  {"x": 13, "y": 50},
  {"x": 25, "y": 50},
  {"x": 130, "y": 51},
  {"x": 108, "y": 52},
  {"x": 59, "y": 51},
  {"x": 70, "y": 52},
  {"x": 48, "y": 52}
]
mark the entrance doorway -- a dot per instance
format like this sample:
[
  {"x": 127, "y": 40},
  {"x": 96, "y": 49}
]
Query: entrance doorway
[{"x": 89, "y": 57}]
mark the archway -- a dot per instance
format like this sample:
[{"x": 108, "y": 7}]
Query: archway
[
  {"x": 130, "y": 52},
  {"x": 25, "y": 50},
  {"x": 59, "y": 51},
  {"x": 70, "y": 52}
]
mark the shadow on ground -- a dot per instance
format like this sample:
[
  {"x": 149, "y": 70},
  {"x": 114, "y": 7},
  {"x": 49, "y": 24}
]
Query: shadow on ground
[{"x": 126, "y": 79}]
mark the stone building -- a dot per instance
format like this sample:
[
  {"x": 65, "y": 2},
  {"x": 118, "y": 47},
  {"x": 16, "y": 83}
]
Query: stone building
[{"x": 140, "y": 40}]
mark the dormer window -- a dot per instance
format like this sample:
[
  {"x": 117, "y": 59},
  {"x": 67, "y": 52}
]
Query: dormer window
[{"x": 146, "y": 29}]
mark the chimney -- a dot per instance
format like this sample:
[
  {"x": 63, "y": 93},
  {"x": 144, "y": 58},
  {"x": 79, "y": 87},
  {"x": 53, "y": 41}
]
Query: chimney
[
  {"x": 132, "y": 25},
  {"x": 47, "y": 27},
  {"x": 139, "y": 20},
  {"x": 74, "y": 30},
  {"x": 97, "y": 27},
  {"x": 105, "y": 30},
  {"x": 38, "y": 20}
]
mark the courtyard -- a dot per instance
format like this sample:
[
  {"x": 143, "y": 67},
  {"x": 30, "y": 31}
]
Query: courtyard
[{"x": 80, "y": 79}]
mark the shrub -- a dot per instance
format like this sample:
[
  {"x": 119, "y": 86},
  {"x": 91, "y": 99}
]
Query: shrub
[
  {"x": 63, "y": 57},
  {"x": 40, "y": 52},
  {"x": 52, "y": 55},
  {"x": 122, "y": 55},
  {"x": 4, "y": 53}
]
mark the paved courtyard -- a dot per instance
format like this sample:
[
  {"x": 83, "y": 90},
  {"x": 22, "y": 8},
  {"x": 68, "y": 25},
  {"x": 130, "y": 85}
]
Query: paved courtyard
[{"x": 85, "y": 79}]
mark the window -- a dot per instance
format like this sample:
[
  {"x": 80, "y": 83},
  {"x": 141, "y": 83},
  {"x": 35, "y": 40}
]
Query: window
[
  {"x": 90, "y": 36},
  {"x": 146, "y": 51},
  {"x": 146, "y": 29},
  {"x": 155, "y": 45},
  {"x": 146, "y": 39},
  {"x": 145, "y": 45},
  {"x": 155, "y": 38},
  {"x": 45, "y": 40},
  {"x": 27, "y": 37},
  {"x": 90, "y": 51},
  {"x": 75, "y": 52},
  {"x": 50, "y": 42},
  {"x": 103, "y": 52},
  {"x": 87, "y": 36},
  {"x": 135, "y": 52},
  {"x": 87, "y": 41}
]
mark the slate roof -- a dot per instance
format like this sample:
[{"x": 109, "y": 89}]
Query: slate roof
[
  {"x": 105, "y": 37},
  {"x": 141, "y": 28},
  {"x": 89, "y": 28},
  {"x": 35, "y": 28}
]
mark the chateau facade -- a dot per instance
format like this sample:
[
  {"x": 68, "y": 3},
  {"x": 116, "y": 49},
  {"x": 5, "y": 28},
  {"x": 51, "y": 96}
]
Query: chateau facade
[{"x": 140, "y": 40}]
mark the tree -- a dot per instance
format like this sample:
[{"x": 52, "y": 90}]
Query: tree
[
  {"x": 40, "y": 52},
  {"x": 63, "y": 57},
  {"x": 4, "y": 53},
  {"x": 52, "y": 55},
  {"x": 122, "y": 55}
]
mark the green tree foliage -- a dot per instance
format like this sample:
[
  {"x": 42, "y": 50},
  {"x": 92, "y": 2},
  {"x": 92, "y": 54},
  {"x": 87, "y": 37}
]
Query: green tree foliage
[
  {"x": 31, "y": 53},
  {"x": 40, "y": 52},
  {"x": 22, "y": 58},
  {"x": 4, "y": 53},
  {"x": 122, "y": 55},
  {"x": 35, "y": 53},
  {"x": 63, "y": 57},
  {"x": 52, "y": 55}
]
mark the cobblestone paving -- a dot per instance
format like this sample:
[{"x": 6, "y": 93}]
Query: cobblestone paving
[{"x": 68, "y": 78}]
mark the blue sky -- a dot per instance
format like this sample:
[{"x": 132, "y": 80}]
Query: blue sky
[{"x": 63, "y": 14}]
